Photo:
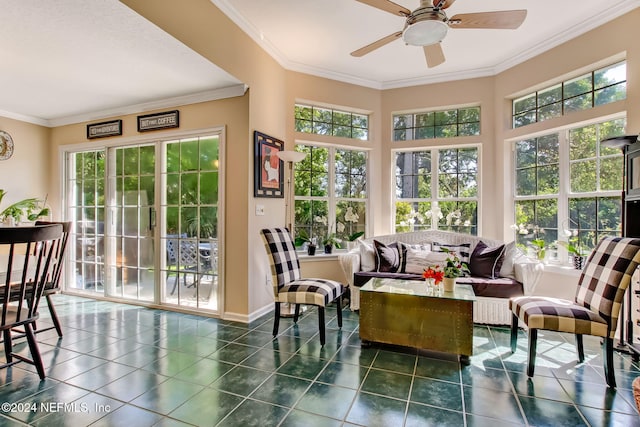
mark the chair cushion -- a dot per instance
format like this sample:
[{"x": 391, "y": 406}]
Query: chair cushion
[
  {"x": 318, "y": 292},
  {"x": 558, "y": 315}
]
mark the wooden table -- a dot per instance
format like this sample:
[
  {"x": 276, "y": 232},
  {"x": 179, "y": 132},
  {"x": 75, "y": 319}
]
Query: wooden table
[{"x": 405, "y": 313}]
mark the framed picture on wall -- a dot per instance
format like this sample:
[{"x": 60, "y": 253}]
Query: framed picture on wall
[{"x": 268, "y": 169}]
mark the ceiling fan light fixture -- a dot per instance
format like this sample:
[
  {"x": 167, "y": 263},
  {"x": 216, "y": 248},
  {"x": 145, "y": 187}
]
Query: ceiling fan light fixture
[{"x": 424, "y": 33}]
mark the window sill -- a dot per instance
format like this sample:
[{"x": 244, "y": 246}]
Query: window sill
[
  {"x": 566, "y": 270},
  {"x": 319, "y": 256}
]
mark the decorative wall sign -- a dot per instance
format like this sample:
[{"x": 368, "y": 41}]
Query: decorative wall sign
[
  {"x": 103, "y": 129},
  {"x": 6, "y": 145},
  {"x": 268, "y": 176},
  {"x": 168, "y": 119}
]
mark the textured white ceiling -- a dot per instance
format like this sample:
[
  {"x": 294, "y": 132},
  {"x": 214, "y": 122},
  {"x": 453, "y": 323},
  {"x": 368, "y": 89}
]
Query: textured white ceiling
[{"x": 68, "y": 58}]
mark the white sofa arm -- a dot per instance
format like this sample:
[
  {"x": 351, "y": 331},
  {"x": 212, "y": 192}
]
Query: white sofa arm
[
  {"x": 350, "y": 263},
  {"x": 528, "y": 273}
]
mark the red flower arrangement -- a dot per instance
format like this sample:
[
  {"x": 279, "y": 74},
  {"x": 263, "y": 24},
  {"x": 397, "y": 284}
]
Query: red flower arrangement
[{"x": 434, "y": 273}]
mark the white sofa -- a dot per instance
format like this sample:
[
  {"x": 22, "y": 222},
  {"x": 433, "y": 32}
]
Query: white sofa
[{"x": 487, "y": 310}]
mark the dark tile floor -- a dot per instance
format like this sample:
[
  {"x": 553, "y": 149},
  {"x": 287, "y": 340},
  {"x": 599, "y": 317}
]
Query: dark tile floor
[{"x": 122, "y": 365}]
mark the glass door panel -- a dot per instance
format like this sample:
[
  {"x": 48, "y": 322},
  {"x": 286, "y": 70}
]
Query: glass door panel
[
  {"x": 130, "y": 236},
  {"x": 86, "y": 210},
  {"x": 190, "y": 215}
]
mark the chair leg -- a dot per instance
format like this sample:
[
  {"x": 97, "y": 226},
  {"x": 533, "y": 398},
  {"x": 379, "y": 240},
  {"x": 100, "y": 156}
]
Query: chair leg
[
  {"x": 514, "y": 333},
  {"x": 276, "y": 319},
  {"x": 608, "y": 362},
  {"x": 339, "y": 307},
  {"x": 175, "y": 283},
  {"x": 580, "y": 348},
  {"x": 533, "y": 341},
  {"x": 321, "y": 324},
  {"x": 8, "y": 348},
  {"x": 296, "y": 313},
  {"x": 35, "y": 351},
  {"x": 54, "y": 315}
]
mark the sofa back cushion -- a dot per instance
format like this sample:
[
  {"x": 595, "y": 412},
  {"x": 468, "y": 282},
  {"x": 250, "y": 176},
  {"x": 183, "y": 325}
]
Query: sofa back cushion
[
  {"x": 463, "y": 250},
  {"x": 387, "y": 257},
  {"x": 486, "y": 261},
  {"x": 416, "y": 250}
]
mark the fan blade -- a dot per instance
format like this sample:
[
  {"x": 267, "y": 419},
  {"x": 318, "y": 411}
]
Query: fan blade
[
  {"x": 506, "y": 19},
  {"x": 433, "y": 54},
  {"x": 443, "y": 4},
  {"x": 377, "y": 44},
  {"x": 388, "y": 6}
]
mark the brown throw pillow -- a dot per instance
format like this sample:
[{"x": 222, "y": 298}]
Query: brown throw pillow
[
  {"x": 486, "y": 261},
  {"x": 387, "y": 257}
]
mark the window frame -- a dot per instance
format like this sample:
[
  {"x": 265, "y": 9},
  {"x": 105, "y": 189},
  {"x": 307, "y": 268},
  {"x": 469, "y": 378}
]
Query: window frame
[
  {"x": 564, "y": 97},
  {"x": 333, "y": 112},
  {"x": 565, "y": 193},
  {"x": 412, "y": 129},
  {"x": 332, "y": 199},
  {"x": 436, "y": 200}
]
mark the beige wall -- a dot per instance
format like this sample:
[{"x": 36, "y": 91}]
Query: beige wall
[
  {"x": 27, "y": 173},
  {"x": 268, "y": 107}
]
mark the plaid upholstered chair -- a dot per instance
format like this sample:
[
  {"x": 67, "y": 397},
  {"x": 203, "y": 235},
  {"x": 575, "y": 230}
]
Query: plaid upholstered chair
[
  {"x": 289, "y": 287},
  {"x": 595, "y": 309}
]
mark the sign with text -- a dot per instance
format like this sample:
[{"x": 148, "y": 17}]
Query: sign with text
[
  {"x": 168, "y": 119},
  {"x": 101, "y": 130}
]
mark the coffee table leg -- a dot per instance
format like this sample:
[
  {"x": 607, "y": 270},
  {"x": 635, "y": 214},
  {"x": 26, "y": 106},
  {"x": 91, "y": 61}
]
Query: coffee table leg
[{"x": 465, "y": 360}]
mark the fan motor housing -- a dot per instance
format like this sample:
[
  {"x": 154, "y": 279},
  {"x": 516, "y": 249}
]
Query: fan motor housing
[{"x": 425, "y": 26}]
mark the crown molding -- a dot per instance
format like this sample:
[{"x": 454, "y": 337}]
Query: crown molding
[{"x": 210, "y": 95}]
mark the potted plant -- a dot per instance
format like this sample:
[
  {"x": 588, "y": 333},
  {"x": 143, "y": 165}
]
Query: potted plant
[
  {"x": 351, "y": 218},
  {"x": 575, "y": 250},
  {"x": 453, "y": 269},
  {"x": 330, "y": 240},
  {"x": 31, "y": 208},
  {"x": 303, "y": 238}
]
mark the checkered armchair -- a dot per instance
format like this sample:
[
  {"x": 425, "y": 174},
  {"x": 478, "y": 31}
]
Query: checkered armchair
[
  {"x": 290, "y": 287},
  {"x": 596, "y": 307}
]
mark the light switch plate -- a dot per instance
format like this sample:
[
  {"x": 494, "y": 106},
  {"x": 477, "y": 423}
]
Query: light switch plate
[{"x": 259, "y": 210}]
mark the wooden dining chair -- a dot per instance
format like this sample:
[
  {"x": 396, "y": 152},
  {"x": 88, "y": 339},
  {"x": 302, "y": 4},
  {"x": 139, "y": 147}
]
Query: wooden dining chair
[
  {"x": 28, "y": 264},
  {"x": 53, "y": 286}
]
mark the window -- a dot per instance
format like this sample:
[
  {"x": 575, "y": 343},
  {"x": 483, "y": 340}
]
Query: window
[
  {"x": 568, "y": 185},
  {"x": 602, "y": 86},
  {"x": 330, "y": 192},
  {"x": 327, "y": 121},
  {"x": 437, "y": 189},
  {"x": 437, "y": 124}
]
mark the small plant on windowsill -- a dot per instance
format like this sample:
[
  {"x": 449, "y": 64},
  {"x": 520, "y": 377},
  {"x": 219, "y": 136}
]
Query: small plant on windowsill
[
  {"x": 576, "y": 251},
  {"x": 303, "y": 238}
]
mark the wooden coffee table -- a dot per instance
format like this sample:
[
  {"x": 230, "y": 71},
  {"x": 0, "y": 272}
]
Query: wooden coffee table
[{"x": 405, "y": 313}]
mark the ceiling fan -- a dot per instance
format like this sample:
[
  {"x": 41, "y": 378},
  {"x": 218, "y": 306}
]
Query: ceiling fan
[{"x": 428, "y": 24}]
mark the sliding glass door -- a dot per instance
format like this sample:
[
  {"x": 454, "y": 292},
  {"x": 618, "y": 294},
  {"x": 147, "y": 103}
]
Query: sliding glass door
[{"x": 146, "y": 222}]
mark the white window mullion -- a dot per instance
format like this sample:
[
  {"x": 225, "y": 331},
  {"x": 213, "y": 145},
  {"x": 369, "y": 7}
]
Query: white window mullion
[{"x": 435, "y": 173}]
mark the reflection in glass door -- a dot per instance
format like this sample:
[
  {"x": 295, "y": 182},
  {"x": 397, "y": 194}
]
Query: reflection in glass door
[
  {"x": 130, "y": 230},
  {"x": 189, "y": 201}
]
